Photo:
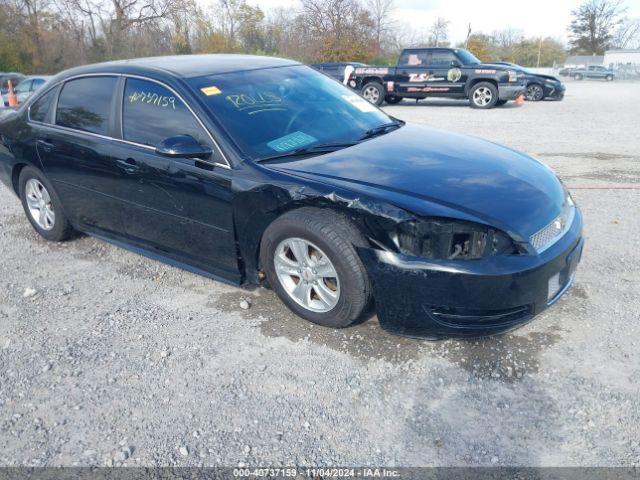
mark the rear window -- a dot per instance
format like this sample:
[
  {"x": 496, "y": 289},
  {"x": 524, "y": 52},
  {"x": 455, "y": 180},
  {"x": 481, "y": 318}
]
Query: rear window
[
  {"x": 85, "y": 104},
  {"x": 38, "y": 111}
]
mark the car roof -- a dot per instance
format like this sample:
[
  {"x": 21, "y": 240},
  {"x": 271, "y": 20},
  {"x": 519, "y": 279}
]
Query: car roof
[{"x": 184, "y": 66}]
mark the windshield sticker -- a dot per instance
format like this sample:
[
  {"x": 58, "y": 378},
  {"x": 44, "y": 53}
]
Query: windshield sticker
[
  {"x": 292, "y": 141},
  {"x": 153, "y": 99},
  {"x": 212, "y": 90},
  {"x": 258, "y": 101},
  {"x": 360, "y": 103}
]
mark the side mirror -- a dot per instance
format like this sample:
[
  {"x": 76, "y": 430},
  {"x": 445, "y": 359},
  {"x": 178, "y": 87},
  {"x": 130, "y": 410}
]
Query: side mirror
[
  {"x": 455, "y": 63},
  {"x": 183, "y": 146}
]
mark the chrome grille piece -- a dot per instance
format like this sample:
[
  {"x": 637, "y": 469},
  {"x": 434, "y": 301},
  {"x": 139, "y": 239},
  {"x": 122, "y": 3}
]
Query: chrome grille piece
[{"x": 547, "y": 236}]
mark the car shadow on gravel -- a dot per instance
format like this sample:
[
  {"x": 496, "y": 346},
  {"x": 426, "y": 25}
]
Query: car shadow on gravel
[{"x": 506, "y": 358}]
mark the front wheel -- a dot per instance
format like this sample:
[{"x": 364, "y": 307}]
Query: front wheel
[
  {"x": 578, "y": 76},
  {"x": 310, "y": 260},
  {"x": 609, "y": 78},
  {"x": 392, "y": 99},
  {"x": 483, "y": 95},
  {"x": 374, "y": 92},
  {"x": 535, "y": 93},
  {"x": 42, "y": 206}
]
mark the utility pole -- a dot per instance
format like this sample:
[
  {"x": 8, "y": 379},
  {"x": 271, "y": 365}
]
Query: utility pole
[
  {"x": 466, "y": 42},
  {"x": 539, "y": 52}
]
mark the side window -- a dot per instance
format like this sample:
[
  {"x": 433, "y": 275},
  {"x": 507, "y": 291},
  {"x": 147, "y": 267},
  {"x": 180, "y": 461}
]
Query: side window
[
  {"x": 23, "y": 86},
  {"x": 85, "y": 104},
  {"x": 152, "y": 113},
  {"x": 37, "y": 83},
  {"x": 415, "y": 58},
  {"x": 39, "y": 109},
  {"x": 441, "y": 59}
]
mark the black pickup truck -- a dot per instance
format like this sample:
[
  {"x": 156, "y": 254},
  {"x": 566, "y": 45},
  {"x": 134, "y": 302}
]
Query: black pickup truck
[{"x": 439, "y": 72}]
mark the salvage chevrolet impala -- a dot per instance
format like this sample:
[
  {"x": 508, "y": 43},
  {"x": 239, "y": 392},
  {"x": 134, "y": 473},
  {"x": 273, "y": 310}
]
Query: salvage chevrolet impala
[{"x": 253, "y": 169}]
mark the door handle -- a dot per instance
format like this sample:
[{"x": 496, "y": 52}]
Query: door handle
[
  {"x": 129, "y": 165},
  {"x": 46, "y": 145}
]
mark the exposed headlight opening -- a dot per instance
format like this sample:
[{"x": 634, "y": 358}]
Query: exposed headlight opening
[{"x": 452, "y": 240}]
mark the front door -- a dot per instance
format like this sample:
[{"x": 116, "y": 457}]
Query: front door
[
  {"x": 180, "y": 207},
  {"x": 75, "y": 149},
  {"x": 446, "y": 76}
]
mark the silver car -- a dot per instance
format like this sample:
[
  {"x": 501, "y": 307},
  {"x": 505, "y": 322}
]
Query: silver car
[{"x": 26, "y": 88}]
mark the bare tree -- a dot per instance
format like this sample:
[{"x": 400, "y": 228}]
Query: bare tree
[
  {"x": 593, "y": 25},
  {"x": 627, "y": 35},
  {"x": 381, "y": 11},
  {"x": 439, "y": 33}
]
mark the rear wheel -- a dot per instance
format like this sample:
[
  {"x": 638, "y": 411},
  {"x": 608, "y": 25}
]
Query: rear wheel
[
  {"x": 535, "y": 92},
  {"x": 483, "y": 95},
  {"x": 392, "y": 99},
  {"x": 374, "y": 92},
  {"x": 42, "y": 206},
  {"x": 310, "y": 260}
]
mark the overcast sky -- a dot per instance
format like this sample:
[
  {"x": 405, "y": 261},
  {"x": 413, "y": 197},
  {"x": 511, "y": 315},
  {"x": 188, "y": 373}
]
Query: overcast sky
[{"x": 541, "y": 17}]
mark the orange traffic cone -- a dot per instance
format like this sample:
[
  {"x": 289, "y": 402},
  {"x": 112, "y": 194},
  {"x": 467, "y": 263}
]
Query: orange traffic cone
[
  {"x": 13, "y": 100},
  {"x": 520, "y": 100}
]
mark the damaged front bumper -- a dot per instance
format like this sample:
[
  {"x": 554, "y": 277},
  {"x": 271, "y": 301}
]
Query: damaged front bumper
[{"x": 447, "y": 298}]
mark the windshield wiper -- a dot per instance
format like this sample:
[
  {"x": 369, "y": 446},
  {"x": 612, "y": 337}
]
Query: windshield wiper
[
  {"x": 381, "y": 129},
  {"x": 320, "y": 148}
]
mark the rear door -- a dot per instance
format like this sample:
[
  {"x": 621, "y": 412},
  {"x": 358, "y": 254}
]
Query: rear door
[
  {"x": 75, "y": 150},
  {"x": 412, "y": 72},
  {"x": 181, "y": 207}
]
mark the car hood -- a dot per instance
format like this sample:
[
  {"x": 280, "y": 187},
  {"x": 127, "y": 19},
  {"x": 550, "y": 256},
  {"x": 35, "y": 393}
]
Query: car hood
[
  {"x": 423, "y": 169},
  {"x": 547, "y": 77}
]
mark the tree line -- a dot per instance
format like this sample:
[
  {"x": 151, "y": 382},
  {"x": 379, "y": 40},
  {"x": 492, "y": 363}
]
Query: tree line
[{"x": 46, "y": 36}]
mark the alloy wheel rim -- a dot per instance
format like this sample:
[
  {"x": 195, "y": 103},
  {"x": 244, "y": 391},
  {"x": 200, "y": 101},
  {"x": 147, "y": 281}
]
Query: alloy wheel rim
[
  {"x": 307, "y": 275},
  {"x": 371, "y": 93},
  {"x": 534, "y": 93},
  {"x": 482, "y": 96},
  {"x": 39, "y": 204}
]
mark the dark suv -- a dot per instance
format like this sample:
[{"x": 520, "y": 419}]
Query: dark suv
[{"x": 440, "y": 72}]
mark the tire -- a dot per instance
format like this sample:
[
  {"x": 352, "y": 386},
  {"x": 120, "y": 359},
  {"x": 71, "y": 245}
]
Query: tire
[
  {"x": 392, "y": 99},
  {"x": 535, "y": 92},
  {"x": 374, "y": 93},
  {"x": 483, "y": 95},
  {"x": 335, "y": 237},
  {"x": 36, "y": 190},
  {"x": 578, "y": 76},
  {"x": 609, "y": 78},
  {"x": 499, "y": 103}
]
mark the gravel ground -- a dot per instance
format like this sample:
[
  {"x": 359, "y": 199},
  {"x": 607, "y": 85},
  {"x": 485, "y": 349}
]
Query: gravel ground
[{"x": 108, "y": 358}]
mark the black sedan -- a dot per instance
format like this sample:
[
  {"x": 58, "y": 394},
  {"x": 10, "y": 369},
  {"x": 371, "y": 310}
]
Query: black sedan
[
  {"x": 539, "y": 86},
  {"x": 251, "y": 169}
]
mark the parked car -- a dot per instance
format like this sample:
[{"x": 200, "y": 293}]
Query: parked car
[
  {"x": 594, "y": 71},
  {"x": 439, "y": 72},
  {"x": 336, "y": 69},
  {"x": 539, "y": 86},
  {"x": 26, "y": 88},
  {"x": 565, "y": 72},
  {"x": 247, "y": 168},
  {"x": 15, "y": 78}
]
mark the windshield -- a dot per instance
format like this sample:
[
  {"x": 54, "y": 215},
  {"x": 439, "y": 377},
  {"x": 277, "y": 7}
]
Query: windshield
[
  {"x": 467, "y": 58},
  {"x": 278, "y": 110}
]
